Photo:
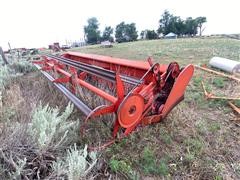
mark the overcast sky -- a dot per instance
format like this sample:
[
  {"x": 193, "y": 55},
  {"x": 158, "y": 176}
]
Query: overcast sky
[{"x": 37, "y": 23}]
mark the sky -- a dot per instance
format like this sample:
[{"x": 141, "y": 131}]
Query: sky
[{"x": 37, "y": 23}]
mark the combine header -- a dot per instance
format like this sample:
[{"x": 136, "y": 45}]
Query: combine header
[{"x": 136, "y": 92}]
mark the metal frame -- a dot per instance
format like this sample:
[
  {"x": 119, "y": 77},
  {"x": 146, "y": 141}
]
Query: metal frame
[{"x": 155, "y": 88}]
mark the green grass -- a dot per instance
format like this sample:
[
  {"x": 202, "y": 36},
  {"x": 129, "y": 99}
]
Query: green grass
[
  {"x": 214, "y": 127},
  {"x": 237, "y": 103},
  {"x": 184, "y": 51},
  {"x": 194, "y": 146},
  {"x": 211, "y": 127},
  {"x": 150, "y": 165},
  {"x": 165, "y": 137},
  {"x": 121, "y": 166},
  {"x": 219, "y": 82}
]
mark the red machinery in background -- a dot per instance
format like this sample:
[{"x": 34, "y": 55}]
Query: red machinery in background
[{"x": 137, "y": 92}]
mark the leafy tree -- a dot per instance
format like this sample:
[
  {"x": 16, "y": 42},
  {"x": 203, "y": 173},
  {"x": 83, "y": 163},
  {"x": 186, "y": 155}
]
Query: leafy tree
[
  {"x": 92, "y": 34},
  {"x": 179, "y": 26},
  {"x": 126, "y": 32},
  {"x": 120, "y": 32},
  {"x": 199, "y": 21},
  {"x": 190, "y": 26},
  {"x": 150, "y": 34},
  {"x": 170, "y": 23},
  {"x": 131, "y": 31},
  {"x": 165, "y": 23},
  {"x": 108, "y": 31}
]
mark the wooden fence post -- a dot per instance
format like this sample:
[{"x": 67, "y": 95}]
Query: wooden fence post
[{"x": 3, "y": 56}]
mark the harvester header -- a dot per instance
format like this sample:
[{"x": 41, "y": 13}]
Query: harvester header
[{"x": 136, "y": 92}]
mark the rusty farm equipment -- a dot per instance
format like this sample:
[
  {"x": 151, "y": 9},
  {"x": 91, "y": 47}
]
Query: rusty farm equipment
[{"x": 136, "y": 92}]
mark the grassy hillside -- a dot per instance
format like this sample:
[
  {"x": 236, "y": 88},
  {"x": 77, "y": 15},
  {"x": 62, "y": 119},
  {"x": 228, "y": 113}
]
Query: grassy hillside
[{"x": 184, "y": 51}]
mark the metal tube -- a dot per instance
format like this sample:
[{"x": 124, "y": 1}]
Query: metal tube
[
  {"x": 94, "y": 71},
  {"x": 63, "y": 72},
  {"x": 97, "y": 70},
  {"x": 97, "y": 91},
  {"x": 225, "y": 64},
  {"x": 103, "y": 73},
  {"x": 77, "y": 102}
]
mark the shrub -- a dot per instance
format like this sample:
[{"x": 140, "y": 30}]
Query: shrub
[
  {"x": 23, "y": 66},
  {"x": 4, "y": 76},
  {"x": 19, "y": 168},
  {"x": 77, "y": 163},
  {"x": 9, "y": 71},
  {"x": 37, "y": 144},
  {"x": 47, "y": 124}
]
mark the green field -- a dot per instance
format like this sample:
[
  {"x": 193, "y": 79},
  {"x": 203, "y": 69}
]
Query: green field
[
  {"x": 184, "y": 51},
  {"x": 199, "y": 139}
]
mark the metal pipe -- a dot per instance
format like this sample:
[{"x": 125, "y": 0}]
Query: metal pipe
[
  {"x": 98, "y": 91},
  {"x": 85, "y": 68},
  {"x": 225, "y": 64},
  {"x": 103, "y": 73},
  {"x": 77, "y": 102},
  {"x": 106, "y": 72},
  {"x": 63, "y": 72}
]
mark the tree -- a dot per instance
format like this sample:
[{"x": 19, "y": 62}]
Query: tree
[
  {"x": 164, "y": 23},
  {"x": 190, "y": 27},
  {"x": 108, "y": 31},
  {"x": 92, "y": 34},
  {"x": 179, "y": 26},
  {"x": 199, "y": 21},
  {"x": 170, "y": 23},
  {"x": 126, "y": 32},
  {"x": 150, "y": 34},
  {"x": 120, "y": 32},
  {"x": 131, "y": 31}
]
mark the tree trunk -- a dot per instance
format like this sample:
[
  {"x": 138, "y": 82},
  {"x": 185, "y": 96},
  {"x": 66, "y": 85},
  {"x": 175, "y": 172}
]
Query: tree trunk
[
  {"x": 200, "y": 29},
  {"x": 3, "y": 56}
]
